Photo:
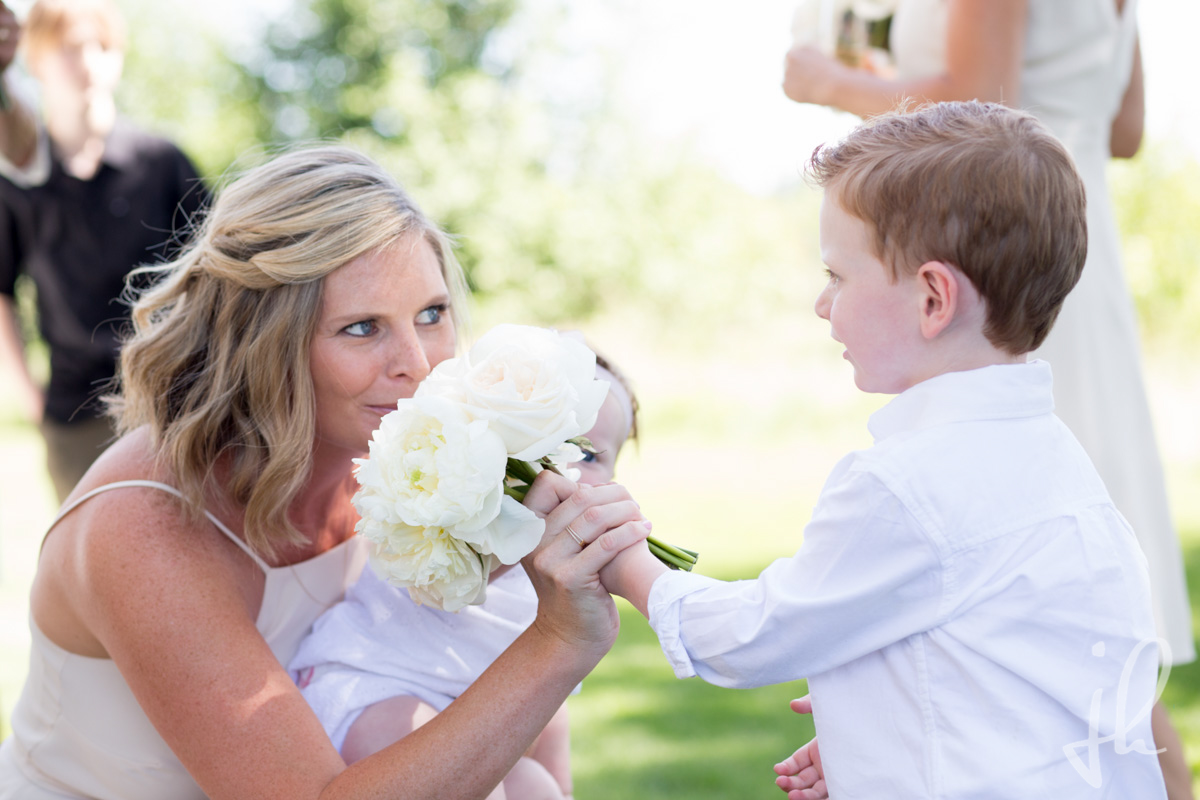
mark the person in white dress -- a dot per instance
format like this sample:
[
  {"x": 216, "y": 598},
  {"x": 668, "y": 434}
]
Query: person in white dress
[
  {"x": 193, "y": 556},
  {"x": 1075, "y": 64}
]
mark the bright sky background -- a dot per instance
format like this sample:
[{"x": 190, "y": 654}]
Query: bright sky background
[
  {"x": 715, "y": 77},
  {"x": 711, "y": 74}
]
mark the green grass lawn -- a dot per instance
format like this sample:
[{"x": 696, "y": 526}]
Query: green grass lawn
[{"x": 637, "y": 731}]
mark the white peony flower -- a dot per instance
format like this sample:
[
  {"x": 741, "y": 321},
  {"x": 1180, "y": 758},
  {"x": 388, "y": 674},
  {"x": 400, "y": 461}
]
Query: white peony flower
[
  {"x": 534, "y": 387},
  {"x": 436, "y": 567},
  {"x": 431, "y": 501},
  {"x": 510, "y": 536},
  {"x": 430, "y": 465}
]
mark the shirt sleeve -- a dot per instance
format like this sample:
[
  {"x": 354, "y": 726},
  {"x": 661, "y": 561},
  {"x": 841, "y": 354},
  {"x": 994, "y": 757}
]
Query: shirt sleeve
[{"x": 865, "y": 577}]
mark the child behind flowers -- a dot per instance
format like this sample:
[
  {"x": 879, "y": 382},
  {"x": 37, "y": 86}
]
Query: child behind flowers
[
  {"x": 377, "y": 665},
  {"x": 966, "y": 597}
]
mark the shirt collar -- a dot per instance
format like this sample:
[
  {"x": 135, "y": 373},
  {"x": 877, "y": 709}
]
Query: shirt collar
[{"x": 1004, "y": 391}]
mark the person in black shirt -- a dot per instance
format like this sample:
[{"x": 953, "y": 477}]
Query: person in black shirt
[{"x": 84, "y": 198}]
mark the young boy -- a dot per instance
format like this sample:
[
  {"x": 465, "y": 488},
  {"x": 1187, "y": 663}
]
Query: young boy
[
  {"x": 377, "y": 665},
  {"x": 970, "y": 610}
]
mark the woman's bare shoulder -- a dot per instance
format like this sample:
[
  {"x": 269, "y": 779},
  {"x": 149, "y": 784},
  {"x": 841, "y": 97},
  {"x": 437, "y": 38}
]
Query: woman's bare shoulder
[{"x": 135, "y": 536}]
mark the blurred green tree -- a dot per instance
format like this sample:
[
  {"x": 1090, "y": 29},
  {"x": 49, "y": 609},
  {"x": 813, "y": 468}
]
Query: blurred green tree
[{"x": 1157, "y": 202}]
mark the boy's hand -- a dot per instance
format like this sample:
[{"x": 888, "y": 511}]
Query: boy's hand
[
  {"x": 801, "y": 774},
  {"x": 631, "y": 574}
]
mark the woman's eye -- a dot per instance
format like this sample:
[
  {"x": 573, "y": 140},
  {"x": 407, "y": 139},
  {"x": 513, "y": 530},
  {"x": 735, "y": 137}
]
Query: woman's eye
[
  {"x": 587, "y": 458},
  {"x": 363, "y": 328},
  {"x": 431, "y": 315}
]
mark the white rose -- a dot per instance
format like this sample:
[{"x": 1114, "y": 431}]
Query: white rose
[
  {"x": 436, "y": 567},
  {"x": 535, "y": 387},
  {"x": 430, "y": 465}
]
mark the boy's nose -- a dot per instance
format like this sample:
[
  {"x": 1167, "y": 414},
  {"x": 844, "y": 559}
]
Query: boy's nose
[{"x": 821, "y": 306}]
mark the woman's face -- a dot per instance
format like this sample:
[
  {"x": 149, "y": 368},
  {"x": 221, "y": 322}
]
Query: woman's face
[{"x": 384, "y": 324}]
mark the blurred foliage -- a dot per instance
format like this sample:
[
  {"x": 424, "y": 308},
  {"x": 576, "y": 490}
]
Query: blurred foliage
[
  {"x": 1157, "y": 200},
  {"x": 488, "y": 113},
  {"x": 481, "y": 108}
]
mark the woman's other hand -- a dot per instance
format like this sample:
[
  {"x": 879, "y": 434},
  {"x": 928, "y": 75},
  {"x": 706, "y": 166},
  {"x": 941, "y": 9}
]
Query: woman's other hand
[{"x": 809, "y": 75}]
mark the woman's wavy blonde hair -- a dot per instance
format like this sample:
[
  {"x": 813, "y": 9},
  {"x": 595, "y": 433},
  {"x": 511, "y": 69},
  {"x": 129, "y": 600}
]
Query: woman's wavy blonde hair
[{"x": 218, "y": 361}]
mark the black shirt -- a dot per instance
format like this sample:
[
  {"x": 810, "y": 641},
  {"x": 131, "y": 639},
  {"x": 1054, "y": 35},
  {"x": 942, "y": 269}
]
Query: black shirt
[{"x": 78, "y": 240}]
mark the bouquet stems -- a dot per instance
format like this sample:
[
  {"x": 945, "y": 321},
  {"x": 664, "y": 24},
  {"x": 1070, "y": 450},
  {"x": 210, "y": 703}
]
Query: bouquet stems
[{"x": 674, "y": 557}]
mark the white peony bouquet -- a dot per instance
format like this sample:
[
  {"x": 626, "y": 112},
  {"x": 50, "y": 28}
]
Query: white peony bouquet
[{"x": 439, "y": 493}]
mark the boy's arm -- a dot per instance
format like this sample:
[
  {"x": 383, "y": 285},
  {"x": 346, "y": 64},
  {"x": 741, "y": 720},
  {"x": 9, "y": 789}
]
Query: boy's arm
[
  {"x": 867, "y": 575},
  {"x": 631, "y": 574}
]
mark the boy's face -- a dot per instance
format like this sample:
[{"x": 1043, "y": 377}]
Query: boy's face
[{"x": 877, "y": 320}]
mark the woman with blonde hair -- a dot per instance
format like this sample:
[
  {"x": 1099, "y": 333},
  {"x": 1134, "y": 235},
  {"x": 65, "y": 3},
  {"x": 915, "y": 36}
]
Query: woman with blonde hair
[{"x": 195, "y": 554}]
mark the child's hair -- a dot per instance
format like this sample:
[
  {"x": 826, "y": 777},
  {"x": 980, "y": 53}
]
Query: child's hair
[
  {"x": 48, "y": 21},
  {"x": 977, "y": 185},
  {"x": 621, "y": 387}
]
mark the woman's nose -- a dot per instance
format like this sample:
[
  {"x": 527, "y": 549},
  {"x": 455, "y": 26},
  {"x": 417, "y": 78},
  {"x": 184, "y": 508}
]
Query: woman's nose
[{"x": 409, "y": 358}]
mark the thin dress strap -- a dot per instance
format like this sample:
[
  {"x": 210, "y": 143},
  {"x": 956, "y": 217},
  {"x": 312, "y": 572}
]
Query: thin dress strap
[{"x": 166, "y": 488}]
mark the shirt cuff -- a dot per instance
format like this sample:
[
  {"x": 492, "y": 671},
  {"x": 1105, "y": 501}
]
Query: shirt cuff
[{"x": 664, "y": 607}]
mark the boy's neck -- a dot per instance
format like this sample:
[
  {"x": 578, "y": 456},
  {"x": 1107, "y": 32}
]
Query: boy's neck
[{"x": 967, "y": 360}]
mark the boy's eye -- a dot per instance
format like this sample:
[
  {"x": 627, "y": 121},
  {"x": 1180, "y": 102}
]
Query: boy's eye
[
  {"x": 831, "y": 276},
  {"x": 431, "y": 315},
  {"x": 587, "y": 458},
  {"x": 364, "y": 328}
]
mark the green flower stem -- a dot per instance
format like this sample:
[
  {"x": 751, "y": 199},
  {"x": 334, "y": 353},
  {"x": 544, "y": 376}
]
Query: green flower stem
[
  {"x": 520, "y": 470},
  {"x": 523, "y": 471},
  {"x": 682, "y": 555},
  {"x": 669, "y": 559}
]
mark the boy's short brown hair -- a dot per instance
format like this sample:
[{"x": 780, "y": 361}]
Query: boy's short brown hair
[
  {"x": 48, "y": 20},
  {"x": 977, "y": 185}
]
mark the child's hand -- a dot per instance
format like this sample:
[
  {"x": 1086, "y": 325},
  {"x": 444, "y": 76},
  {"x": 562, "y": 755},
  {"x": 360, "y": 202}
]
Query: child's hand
[
  {"x": 801, "y": 774},
  {"x": 631, "y": 574}
]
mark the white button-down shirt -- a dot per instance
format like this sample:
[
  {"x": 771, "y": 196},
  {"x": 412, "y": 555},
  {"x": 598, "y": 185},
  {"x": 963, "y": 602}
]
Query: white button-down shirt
[{"x": 968, "y": 606}]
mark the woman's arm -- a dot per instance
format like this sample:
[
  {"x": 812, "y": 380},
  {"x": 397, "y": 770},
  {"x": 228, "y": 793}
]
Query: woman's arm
[
  {"x": 1130, "y": 121},
  {"x": 173, "y": 606},
  {"x": 984, "y": 45},
  {"x": 13, "y": 364},
  {"x": 18, "y": 130}
]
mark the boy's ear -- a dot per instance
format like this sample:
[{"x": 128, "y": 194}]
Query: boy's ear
[{"x": 938, "y": 291}]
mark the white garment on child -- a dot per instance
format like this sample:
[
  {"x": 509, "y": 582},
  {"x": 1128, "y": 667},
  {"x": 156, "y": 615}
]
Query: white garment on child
[
  {"x": 378, "y": 643},
  {"x": 964, "y": 593}
]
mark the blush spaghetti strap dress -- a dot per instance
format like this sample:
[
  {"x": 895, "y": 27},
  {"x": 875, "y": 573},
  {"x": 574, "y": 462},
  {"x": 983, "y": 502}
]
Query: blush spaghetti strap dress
[{"x": 77, "y": 729}]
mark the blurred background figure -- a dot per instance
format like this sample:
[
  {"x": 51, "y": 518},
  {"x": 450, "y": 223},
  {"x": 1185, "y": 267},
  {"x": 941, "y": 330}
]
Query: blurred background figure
[
  {"x": 84, "y": 198},
  {"x": 1076, "y": 65}
]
